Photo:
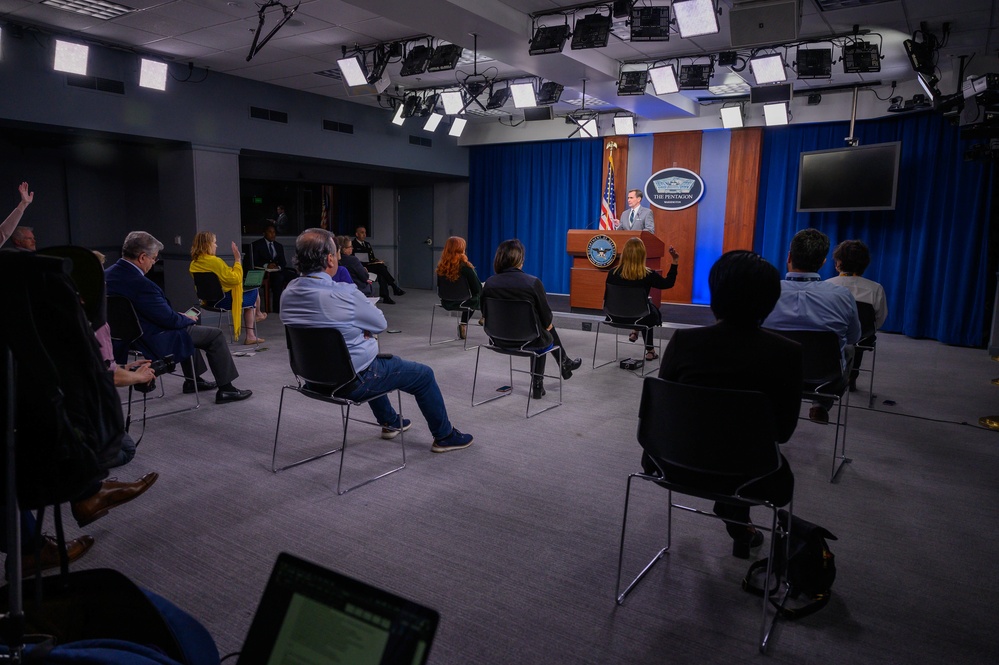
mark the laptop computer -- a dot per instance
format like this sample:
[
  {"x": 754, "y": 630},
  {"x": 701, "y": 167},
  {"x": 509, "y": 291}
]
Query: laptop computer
[
  {"x": 309, "y": 614},
  {"x": 253, "y": 278}
]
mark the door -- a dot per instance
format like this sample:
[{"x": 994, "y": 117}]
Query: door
[{"x": 416, "y": 237}]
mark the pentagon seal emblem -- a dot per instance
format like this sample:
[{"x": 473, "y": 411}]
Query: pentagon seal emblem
[
  {"x": 601, "y": 251},
  {"x": 674, "y": 189}
]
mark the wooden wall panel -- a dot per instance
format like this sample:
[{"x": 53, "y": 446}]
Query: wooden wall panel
[
  {"x": 743, "y": 188},
  {"x": 678, "y": 227}
]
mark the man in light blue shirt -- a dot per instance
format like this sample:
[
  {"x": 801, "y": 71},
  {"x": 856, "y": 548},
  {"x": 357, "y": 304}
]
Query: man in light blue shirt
[
  {"x": 807, "y": 302},
  {"x": 314, "y": 300}
]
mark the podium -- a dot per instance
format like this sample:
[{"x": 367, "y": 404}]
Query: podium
[{"x": 586, "y": 282}]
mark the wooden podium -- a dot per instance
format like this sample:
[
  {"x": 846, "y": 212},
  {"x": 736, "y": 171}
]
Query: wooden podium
[{"x": 586, "y": 282}]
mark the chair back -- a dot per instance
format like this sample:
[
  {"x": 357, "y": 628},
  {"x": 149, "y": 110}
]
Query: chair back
[
  {"x": 208, "y": 288},
  {"x": 320, "y": 356},
  {"x": 88, "y": 277},
  {"x": 868, "y": 319},
  {"x": 715, "y": 431},
  {"x": 511, "y": 322},
  {"x": 626, "y": 302},
  {"x": 453, "y": 290},
  {"x": 821, "y": 358},
  {"x": 122, "y": 320}
]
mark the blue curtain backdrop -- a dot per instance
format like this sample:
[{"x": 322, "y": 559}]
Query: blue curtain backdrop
[
  {"x": 929, "y": 253},
  {"x": 535, "y": 192}
]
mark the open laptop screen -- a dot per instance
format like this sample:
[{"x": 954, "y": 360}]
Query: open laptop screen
[
  {"x": 311, "y": 615},
  {"x": 253, "y": 279}
]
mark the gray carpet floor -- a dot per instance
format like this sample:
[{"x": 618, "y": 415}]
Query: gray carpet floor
[{"x": 515, "y": 539}]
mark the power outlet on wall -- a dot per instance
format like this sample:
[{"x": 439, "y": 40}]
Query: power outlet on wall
[
  {"x": 176, "y": 240},
  {"x": 587, "y": 325}
]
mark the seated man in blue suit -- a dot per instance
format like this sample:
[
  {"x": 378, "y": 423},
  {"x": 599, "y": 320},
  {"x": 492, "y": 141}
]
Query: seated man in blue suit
[{"x": 166, "y": 332}]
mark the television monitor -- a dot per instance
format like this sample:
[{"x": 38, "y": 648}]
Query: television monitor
[{"x": 843, "y": 179}]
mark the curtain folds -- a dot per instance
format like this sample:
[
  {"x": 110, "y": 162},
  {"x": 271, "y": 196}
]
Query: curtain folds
[
  {"x": 535, "y": 192},
  {"x": 930, "y": 253}
]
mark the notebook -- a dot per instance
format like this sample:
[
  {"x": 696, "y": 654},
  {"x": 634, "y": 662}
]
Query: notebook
[
  {"x": 309, "y": 614},
  {"x": 253, "y": 278}
]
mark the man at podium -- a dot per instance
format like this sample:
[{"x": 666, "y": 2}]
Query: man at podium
[{"x": 635, "y": 218}]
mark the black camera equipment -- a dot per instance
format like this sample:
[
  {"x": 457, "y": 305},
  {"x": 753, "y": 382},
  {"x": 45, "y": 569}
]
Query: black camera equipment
[{"x": 163, "y": 365}]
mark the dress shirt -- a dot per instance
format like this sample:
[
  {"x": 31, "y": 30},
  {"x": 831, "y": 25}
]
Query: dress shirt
[
  {"x": 316, "y": 301},
  {"x": 808, "y": 303},
  {"x": 865, "y": 290}
]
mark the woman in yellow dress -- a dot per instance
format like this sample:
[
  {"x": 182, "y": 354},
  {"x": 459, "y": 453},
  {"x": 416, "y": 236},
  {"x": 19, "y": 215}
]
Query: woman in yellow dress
[{"x": 203, "y": 259}]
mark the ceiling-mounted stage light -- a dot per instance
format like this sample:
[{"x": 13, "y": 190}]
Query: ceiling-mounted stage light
[
  {"x": 591, "y": 31},
  {"x": 728, "y": 58},
  {"x": 768, "y": 68},
  {"x": 731, "y": 117},
  {"x": 695, "y": 17},
  {"x": 920, "y": 56},
  {"x": 379, "y": 62},
  {"x": 71, "y": 58},
  {"x": 399, "y": 118},
  {"x": 153, "y": 74},
  {"x": 589, "y": 129},
  {"x": 929, "y": 84},
  {"x": 523, "y": 95},
  {"x": 415, "y": 61},
  {"x": 474, "y": 88},
  {"x": 444, "y": 57},
  {"x": 664, "y": 79},
  {"x": 353, "y": 71},
  {"x": 411, "y": 106},
  {"x": 549, "y": 39},
  {"x": 695, "y": 77},
  {"x": 624, "y": 125},
  {"x": 433, "y": 120},
  {"x": 775, "y": 114},
  {"x": 861, "y": 58},
  {"x": 457, "y": 127},
  {"x": 650, "y": 24},
  {"x": 498, "y": 98},
  {"x": 814, "y": 63},
  {"x": 633, "y": 82},
  {"x": 452, "y": 101},
  {"x": 429, "y": 104},
  {"x": 549, "y": 93}
]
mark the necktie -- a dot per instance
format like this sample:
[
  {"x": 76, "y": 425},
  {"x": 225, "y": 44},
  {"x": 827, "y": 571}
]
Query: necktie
[
  {"x": 632, "y": 218},
  {"x": 270, "y": 248}
]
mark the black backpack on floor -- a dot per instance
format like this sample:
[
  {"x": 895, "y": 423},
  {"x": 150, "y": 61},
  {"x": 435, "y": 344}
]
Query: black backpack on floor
[{"x": 810, "y": 566}]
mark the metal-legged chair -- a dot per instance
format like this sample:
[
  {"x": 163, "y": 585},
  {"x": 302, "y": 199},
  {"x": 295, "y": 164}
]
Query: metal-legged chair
[
  {"x": 624, "y": 307},
  {"x": 869, "y": 343},
  {"x": 457, "y": 291},
  {"x": 210, "y": 293}
]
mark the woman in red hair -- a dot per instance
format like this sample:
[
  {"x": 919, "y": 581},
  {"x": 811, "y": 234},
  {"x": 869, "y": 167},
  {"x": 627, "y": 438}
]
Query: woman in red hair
[{"x": 454, "y": 266}]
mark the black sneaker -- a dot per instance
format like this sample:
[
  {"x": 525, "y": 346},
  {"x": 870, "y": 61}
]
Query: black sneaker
[{"x": 453, "y": 441}]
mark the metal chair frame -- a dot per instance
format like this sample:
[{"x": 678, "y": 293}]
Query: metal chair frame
[
  {"x": 210, "y": 293},
  {"x": 674, "y": 427},
  {"x": 868, "y": 330},
  {"x": 320, "y": 356},
  {"x": 456, "y": 291},
  {"x": 627, "y": 305},
  {"x": 515, "y": 322}
]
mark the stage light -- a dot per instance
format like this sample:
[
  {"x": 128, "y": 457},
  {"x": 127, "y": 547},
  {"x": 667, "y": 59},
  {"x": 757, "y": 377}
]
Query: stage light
[
  {"x": 523, "y": 95},
  {"x": 920, "y": 56},
  {"x": 71, "y": 58},
  {"x": 549, "y": 39},
  {"x": 814, "y": 63},
  {"x": 433, "y": 120},
  {"x": 429, "y": 104},
  {"x": 897, "y": 105},
  {"x": 861, "y": 58},
  {"x": 664, "y": 79},
  {"x": 591, "y": 31},
  {"x": 633, "y": 82},
  {"x": 624, "y": 125},
  {"x": 775, "y": 114},
  {"x": 768, "y": 69},
  {"x": 457, "y": 127},
  {"x": 353, "y": 71},
  {"x": 498, "y": 98},
  {"x": 152, "y": 74},
  {"x": 411, "y": 106},
  {"x": 695, "y": 77},
  {"x": 731, "y": 117},
  {"x": 549, "y": 93},
  {"x": 589, "y": 129},
  {"x": 444, "y": 57},
  {"x": 452, "y": 101},
  {"x": 929, "y": 85},
  {"x": 650, "y": 24},
  {"x": 695, "y": 17},
  {"x": 399, "y": 118},
  {"x": 415, "y": 61}
]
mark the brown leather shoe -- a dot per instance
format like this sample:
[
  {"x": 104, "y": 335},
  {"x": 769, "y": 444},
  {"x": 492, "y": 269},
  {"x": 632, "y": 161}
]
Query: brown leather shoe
[
  {"x": 818, "y": 414},
  {"x": 111, "y": 495},
  {"x": 49, "y": 555}
]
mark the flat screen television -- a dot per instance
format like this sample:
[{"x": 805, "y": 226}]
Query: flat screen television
[{"x": 860, "y": 178}]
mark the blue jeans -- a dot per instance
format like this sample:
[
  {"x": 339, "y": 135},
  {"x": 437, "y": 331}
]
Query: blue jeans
[{"x": 388, "y": 374}]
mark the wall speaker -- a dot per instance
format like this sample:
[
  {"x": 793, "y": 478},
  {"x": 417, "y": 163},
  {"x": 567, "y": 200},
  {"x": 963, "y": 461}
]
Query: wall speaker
[
  {"x": 538, "y": 113},
  {"x": 764, "y": 23}
]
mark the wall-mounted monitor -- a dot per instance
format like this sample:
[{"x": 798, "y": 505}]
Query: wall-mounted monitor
[{"x": 859, "y": 178}]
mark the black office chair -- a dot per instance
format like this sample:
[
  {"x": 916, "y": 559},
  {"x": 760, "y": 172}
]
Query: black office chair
[
  {"x": 210, "y": 293},
  {"x": 624, "y": 307},
  {"x": 510, "y": 326},
  {"x": 868, "y": 342},
  {"x": 321, "y": 362},
  {"x": 88, "y": 277},
  {"x": 678, "y": 427},
  {"x": 825, "y": 379},
  {"x": 456, "y": 291}
]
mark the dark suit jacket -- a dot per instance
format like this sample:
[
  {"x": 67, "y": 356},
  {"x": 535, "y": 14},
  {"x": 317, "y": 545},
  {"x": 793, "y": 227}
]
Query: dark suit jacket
[
  {"x": 260, "y": 257},
  {"x": 164, "y": 330},
  {"x": 516, "y": 284},
  {"x": 364, "y": 247}
]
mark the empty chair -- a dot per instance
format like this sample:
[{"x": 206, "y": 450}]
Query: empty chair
[
  {"x": 868, "y": 342},
  {"x": 324, "y": 372},
  {"x": 718, "y": 459},
  {"x": 625, "y": 307}
]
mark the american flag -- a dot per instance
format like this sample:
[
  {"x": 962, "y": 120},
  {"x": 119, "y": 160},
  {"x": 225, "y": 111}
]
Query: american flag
[
  {"x": 607, "y": 203},
  {"x": 324, "y": 218}
]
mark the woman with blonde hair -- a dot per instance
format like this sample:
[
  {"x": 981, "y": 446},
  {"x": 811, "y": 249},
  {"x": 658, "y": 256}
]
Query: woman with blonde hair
[
  {"x": 454, "y": 266},
  {"x": 203, "y": 259},
  {"x": 632, "y": 272}
]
